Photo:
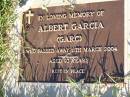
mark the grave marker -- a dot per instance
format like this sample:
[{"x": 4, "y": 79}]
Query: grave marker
[{"x": 84, "y": 43}]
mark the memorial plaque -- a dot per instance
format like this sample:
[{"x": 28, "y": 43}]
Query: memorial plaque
[{"x": 83, "y": 42}]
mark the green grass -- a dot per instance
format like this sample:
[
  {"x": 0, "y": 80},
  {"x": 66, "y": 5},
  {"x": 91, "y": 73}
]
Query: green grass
[{"x": 7, "y": 17}]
